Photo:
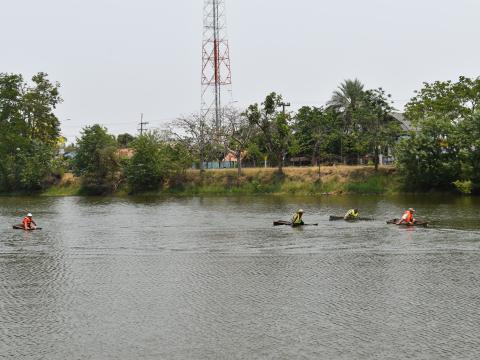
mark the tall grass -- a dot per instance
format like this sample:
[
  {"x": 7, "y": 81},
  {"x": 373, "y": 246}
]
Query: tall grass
[{"x": 295, "y": 181}]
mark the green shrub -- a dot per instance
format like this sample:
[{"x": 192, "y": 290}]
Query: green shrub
[
  {"x": 97, "y": 161},
  {"x": 155, "y": 163},
  {"x": 465, "y": 187}
]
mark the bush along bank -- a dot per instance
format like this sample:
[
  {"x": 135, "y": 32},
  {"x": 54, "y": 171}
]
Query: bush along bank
[{"x": 330, "y": 180}]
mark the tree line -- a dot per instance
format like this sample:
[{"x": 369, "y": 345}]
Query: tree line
[
  {"x": 439, "y": 150},
  {"x": 29, "y": 132}
]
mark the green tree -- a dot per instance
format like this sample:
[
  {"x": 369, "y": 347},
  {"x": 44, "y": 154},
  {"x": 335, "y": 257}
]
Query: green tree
[
  {"x": 317, "y": 132},
  {"x": 445, "y": 116},
  {"x": 124, "y": 140},
  {"x": 256, "y": 151},
  {"x": 39, "y": 102},
  {"x": 12, "y": 127},
  {"x": 430, "y": 157},
  {"x": 29, "y": 131},
  {"x": 97, "y": 161},
  {"x": 347, "y": 98},
  {"x": 274, "y": 126},
  {"x": 36, "y": 166},
  {"x": 155, "y": 161},
  {"x": 454, "y": 100},
  {"x": 469, "y": 138},
  {"x": 381, "y": 130},
  {"x": 146, "y": 170},
  {"x": 346, "y": 101}
]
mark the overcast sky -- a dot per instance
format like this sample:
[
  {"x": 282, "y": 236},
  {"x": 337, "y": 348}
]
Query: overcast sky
[{"x": 118, "y": 58}]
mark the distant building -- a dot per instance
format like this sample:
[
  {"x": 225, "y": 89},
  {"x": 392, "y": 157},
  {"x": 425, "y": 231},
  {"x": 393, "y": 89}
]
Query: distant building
[
  {"x": 229, "y": 161},
  {"x": 230, "y": 157},
  {"x": 405, "y": 124},
  {"x": 69, "y": 154},
  {"x": 125, "y": 153},
  {"x": 403, "y": 121},
  {"x": 300, "y": 161}
]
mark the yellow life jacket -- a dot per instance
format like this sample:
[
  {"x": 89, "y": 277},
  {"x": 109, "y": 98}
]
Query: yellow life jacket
[
  {"x": 351, "y": 214},
  {"x": 297, "y": 220}
]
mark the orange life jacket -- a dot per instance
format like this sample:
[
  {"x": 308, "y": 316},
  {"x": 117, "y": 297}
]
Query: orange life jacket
[
  {"x": 26, "y": 221},
  {"x": 409, "y": 217}
]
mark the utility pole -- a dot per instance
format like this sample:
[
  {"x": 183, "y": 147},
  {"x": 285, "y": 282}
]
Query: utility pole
[
  {"x": 142, "y": 124},
  {"x": 284, "y": 105}
]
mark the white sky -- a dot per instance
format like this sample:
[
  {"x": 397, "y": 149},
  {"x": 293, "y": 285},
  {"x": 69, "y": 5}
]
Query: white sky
[{"x": 117, "y": 59}]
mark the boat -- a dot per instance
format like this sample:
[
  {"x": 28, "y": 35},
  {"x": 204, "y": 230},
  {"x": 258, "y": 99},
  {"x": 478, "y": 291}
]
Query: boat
[
  {"x": 335, "y": 218},
  {"x": 289, "y": 223},
  {"x": 416, "y": 223},
  {"x": 20, "y": 227}
]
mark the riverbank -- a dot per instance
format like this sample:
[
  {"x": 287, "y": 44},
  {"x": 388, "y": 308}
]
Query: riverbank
[{"x": 326, "y": 180}]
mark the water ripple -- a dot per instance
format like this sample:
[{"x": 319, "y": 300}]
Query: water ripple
[{"x": 211, "y": 278}]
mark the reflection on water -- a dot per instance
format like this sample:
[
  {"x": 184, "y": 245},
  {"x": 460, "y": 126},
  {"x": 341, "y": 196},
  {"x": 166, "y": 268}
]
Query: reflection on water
[{"x": 191, "y": 278}]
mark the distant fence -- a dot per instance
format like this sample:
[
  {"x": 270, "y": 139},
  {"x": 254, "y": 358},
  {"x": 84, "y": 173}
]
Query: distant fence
[{"x": 297, "y": 162}]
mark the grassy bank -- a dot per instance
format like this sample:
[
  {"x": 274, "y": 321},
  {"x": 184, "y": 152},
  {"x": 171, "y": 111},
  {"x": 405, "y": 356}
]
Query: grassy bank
[
  {"x": 294, "y": 180},
  {"x": 69, "y": 185},
  {"x": 330, "y": 180}
]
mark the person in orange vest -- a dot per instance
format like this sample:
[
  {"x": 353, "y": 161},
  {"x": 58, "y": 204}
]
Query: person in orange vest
[
  {"x": 407, "y": 217},
  {"x": 28, "y": 223}
]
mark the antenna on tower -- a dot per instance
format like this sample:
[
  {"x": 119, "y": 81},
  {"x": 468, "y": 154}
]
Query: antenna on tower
[
  {"x": 216, "y": 70},
  {"x": 142, "y": 125}
]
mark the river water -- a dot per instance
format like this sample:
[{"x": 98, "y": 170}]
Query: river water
[{"x": 211, "y": 278}]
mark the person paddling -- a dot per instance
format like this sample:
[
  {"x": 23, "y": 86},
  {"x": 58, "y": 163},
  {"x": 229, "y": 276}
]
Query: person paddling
[
  {"x": 408, "y": 217},
  {"x": 351, "y": 214},
  {"x": 297, "y": 218},
  {"x": 28, "y": 223}
]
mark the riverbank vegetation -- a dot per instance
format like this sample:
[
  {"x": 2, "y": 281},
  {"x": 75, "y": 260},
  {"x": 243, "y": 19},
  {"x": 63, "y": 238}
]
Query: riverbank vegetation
[
  {"x": 29, "y": 132},
  {"x": 434, "y": 145},
  {"x": 443, "y": 148},
  {"x": 317, "y": 181}
]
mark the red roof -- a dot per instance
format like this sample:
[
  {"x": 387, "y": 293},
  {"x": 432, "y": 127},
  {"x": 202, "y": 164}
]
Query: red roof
[{"x": 125, "y": 153}]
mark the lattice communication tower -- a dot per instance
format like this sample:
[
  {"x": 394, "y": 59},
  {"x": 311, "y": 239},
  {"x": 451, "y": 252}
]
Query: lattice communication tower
[{"x": 216, "y": 70}]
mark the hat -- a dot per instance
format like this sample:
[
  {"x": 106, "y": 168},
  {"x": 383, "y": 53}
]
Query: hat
[
  {"x": 411, "y": 209},
  {"x": 300, "y": 211},
  {"x": 29, "y": 215}
]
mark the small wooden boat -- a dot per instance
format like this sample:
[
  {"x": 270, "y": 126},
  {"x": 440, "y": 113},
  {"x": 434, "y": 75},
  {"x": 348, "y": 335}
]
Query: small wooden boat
[
  {"x": 335, "y": 218},
  {"x": 289, "y": 223},
  {"x": 416, "y": 223},
  {"x": 20, "y": 227}
]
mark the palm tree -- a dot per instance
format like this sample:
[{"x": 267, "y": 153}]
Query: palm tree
[{"x": 346, "y": 101}]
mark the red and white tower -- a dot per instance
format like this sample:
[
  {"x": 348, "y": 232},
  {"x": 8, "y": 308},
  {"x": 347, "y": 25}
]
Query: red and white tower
[{"x": 216, "y": 71}]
